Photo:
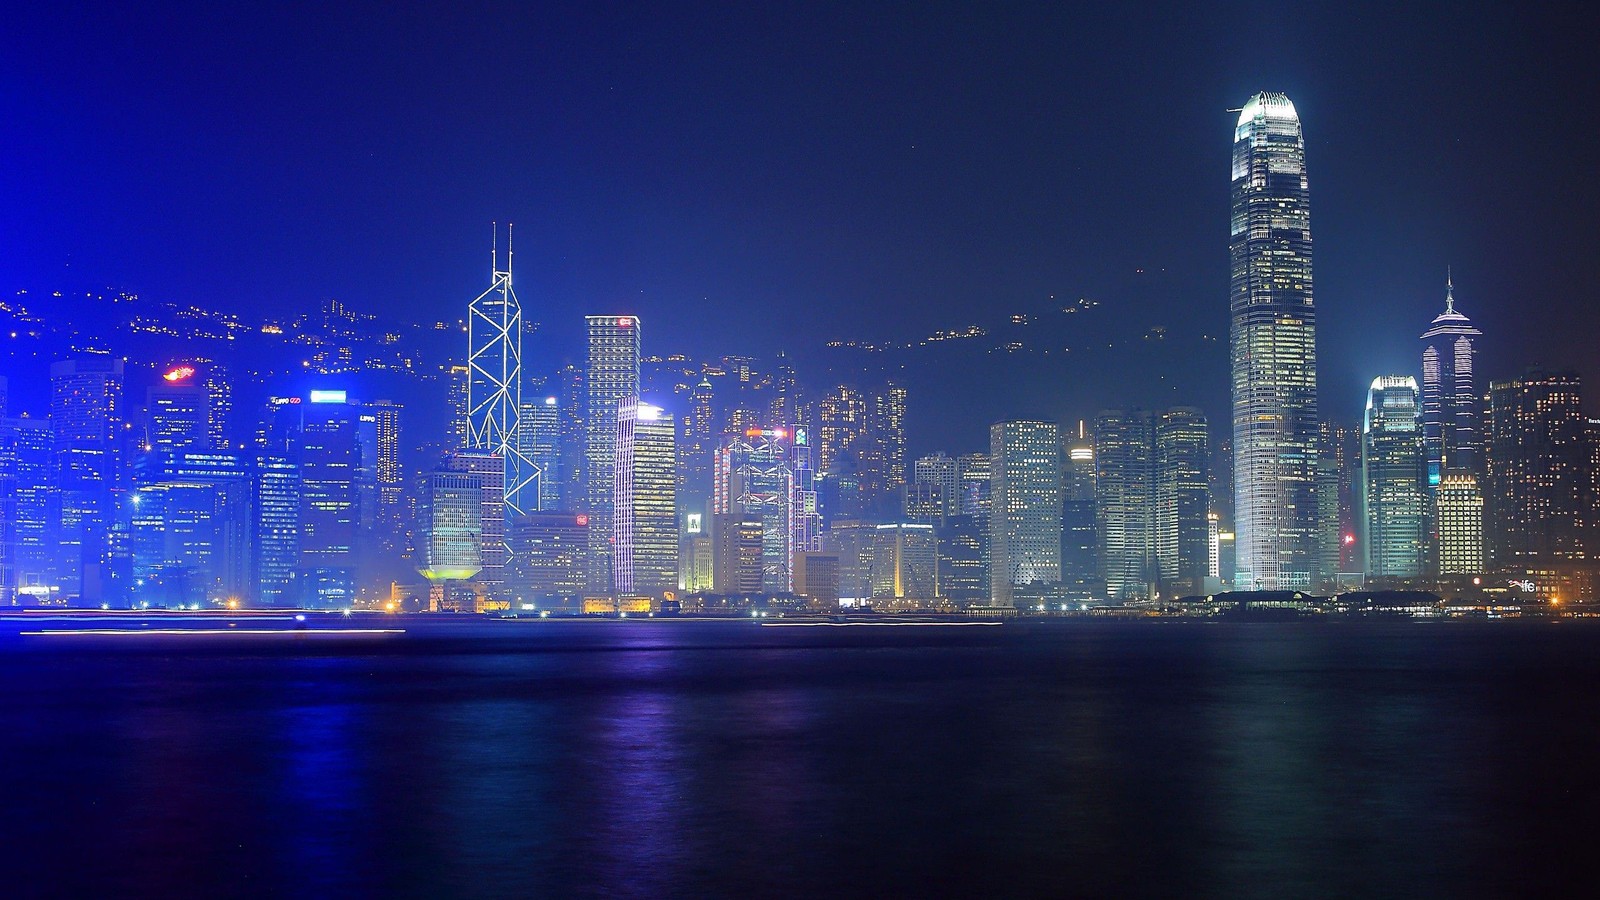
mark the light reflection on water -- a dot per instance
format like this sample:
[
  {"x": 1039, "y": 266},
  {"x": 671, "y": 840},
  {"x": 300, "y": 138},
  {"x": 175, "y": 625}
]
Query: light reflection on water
[{"x": 675, "y": 758}]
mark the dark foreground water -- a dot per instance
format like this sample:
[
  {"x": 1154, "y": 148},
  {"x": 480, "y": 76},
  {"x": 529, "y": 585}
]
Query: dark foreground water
[{"x": 727, "y": 759}]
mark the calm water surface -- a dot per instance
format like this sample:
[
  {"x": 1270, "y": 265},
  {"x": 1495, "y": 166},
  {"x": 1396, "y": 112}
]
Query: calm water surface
[{"x": 717, "y": 759}]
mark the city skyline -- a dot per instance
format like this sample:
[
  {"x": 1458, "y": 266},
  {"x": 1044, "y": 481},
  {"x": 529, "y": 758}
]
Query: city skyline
[{"x": 993, "y": 207}]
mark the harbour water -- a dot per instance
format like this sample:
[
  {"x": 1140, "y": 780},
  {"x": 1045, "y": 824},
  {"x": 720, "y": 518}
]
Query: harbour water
[{"x": 695, "y": 759}]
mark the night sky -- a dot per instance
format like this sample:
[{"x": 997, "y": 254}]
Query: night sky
[{"x": 757, "y": 177}]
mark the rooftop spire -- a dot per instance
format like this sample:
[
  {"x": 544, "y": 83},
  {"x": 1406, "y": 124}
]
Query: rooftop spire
[{"x": 1449, "y": 292}]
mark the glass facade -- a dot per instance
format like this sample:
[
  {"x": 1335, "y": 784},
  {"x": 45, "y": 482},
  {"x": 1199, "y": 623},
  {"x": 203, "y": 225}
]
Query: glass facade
[
  {"x": 1449, "y": 396},
  {"x": 1394, "y": 491},
  {"x": 1273, "y": 350}
]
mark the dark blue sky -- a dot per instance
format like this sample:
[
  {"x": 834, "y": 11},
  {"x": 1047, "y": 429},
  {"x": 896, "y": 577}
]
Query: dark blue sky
[{"x": 755, "y": 177}]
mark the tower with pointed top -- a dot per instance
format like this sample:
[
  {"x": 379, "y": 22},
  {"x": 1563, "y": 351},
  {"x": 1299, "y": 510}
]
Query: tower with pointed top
[
  {"x": 494, "y": 382},
  {"x": 1273, "y": 350},
  {"x": 1450, "y": 433}
]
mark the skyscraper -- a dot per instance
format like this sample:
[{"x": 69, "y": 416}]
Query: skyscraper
[
  {"x": 1273, "y": 349},
  {"x": 1539, "y": 503},
  {"x": 1124, "y": 490},
  {"x": 451, "y": 546},
  {"x": 941, "y": 473},
  {"x": 1080, "y": 542},
  {"x": 190, "y": 528},
  {"x": 1182, "y": 499},
  {"x": 493, "y": 552},
  {"x": 1459, "y": 524},
  {"x": 541, "y": 443},
  {"x": 765, "y": 475},
  {"x": 86, "y": 420},
  {"x": 327, "y": 447},
  {"x": 178, "y": 412},
  {"x": 646, "y": 522},
  {"x": 1025, "y": 507},
  {"x": 27, "y": 495},
  {"x": 494, "y": 384},
  {"x": 274, "y": 527},
  {"x": 905, "y": 563},
  {"x": 611, "y": 380},
  {"x": 1450, "y": 434},
  {"x": 1394, "y": 480}
]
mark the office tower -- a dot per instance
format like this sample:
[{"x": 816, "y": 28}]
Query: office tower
[
  {"x": 493, "y": 552},
  {"x": 1539, "y": 501},
  {"x": 457, "y": 378},
  {"x": 765, "y": 475},
  {"x": 963, "y": 575},
  {"x": 190, "y": 528},
  {"x": 943, "y": 474},
  {"x": 905, "y": 563},
  {"x": 697, "y": 559},
  {"x": 1273, "y": 341},
  {"x": 383, "y": 494},
  {"x": 1338, "y": 503},
  {"x": 816, "y": 577},
  {"x": 87, "y": 424},
  {"x": 785, "y": 404},
  {"x": 1182, "y": 499},
  {"x": 541, "y": 443},
  {"x": 572, "y": 428},
  {"x": 973, "y": 470},
  {"x": 1124, "y": 489},
  {"x": 1450, "y": 434},
  {"x": 611, "y": 379},
  {"x": 325, "y": 442},
  {"x": 27, "y": 496},
  {"x": 494, "y": 384},
  {"x": 1025, "y": 507},
  {"x": 451, "y": 547},
  {"x": 1080, "y": 536},
  {"x": 852, "y": 541},
  {"x": 219, "y": 409},
  {"x": 737, "y": 554},
  {"x": 178, "y": 412},
  {"x": 275, "y": 527},
  {"x": 1394, "y": 478},
  {"x": 1458, "y": 517},
  {"x": 695, "y": 449},
  {"x": 645, "y": 528},
  {"x": 548, "y": 548}
]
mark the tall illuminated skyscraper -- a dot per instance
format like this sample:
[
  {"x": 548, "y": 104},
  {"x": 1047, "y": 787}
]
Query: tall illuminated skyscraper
[
  {"x": 646, "y": 522},
  {"x": 1394, "y": 489},
  {"x": 494, "y": 384},
  {"x": 611, "y": 380},
  {"x": 1450, "y": 433},
  {"x": 1273, "y": 349},
  {"x": 1025, "y": 507}
]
